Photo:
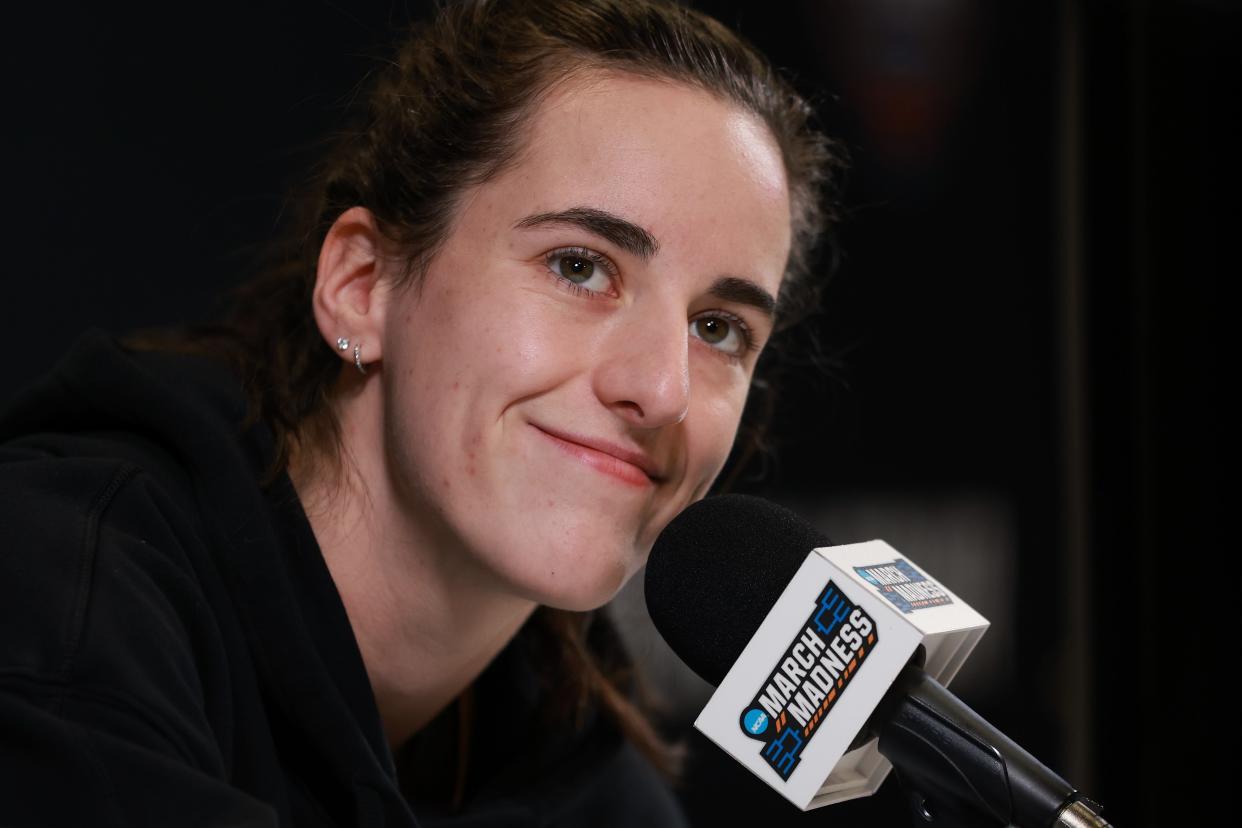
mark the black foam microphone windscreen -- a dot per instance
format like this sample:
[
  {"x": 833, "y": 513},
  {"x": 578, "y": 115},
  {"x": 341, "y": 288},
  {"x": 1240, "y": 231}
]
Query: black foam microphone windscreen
[{"x": 715, "y": 572}]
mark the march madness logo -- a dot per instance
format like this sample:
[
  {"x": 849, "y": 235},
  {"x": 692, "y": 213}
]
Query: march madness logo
[
  {"x": 904, "y": 586},
  {"x": 809, "y": 679}
]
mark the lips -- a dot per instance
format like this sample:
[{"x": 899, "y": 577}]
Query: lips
[{"x": 629, "y": 465}]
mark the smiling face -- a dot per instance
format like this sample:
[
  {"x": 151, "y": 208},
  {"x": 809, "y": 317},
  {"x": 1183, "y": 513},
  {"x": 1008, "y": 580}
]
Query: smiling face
[{"x": 571, "y": 370}]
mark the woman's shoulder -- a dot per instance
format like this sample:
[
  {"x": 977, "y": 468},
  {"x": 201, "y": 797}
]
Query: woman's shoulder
[
  {"x": 113, "y": 439},
  {"x": 102, "y": 559},
  {"x": 93, "y": 465},
  {"x": 97, "y": 556},
  {"x": 116, "y": 641}
]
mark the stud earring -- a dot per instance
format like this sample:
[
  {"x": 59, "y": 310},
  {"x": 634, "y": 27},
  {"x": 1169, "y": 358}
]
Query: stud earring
[
  {"x": 342, "y": 344},
  {"x": 358, "y": 358}
]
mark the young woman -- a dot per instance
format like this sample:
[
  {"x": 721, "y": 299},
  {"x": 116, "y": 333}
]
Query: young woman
[{"x": 334, "y": 561}]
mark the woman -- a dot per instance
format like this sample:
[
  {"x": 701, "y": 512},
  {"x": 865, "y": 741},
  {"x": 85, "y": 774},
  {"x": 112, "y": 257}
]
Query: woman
[{"x": 537, "y": 279}]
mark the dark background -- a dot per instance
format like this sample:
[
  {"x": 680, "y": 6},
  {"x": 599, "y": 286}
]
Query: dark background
[{"x": 1021, "y": 336}]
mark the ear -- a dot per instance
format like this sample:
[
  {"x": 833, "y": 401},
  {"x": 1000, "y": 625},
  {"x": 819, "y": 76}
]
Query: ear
[{"x": 349, "y": 301}]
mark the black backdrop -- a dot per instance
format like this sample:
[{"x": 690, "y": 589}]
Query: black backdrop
[{"x": 1026, "y": 306}]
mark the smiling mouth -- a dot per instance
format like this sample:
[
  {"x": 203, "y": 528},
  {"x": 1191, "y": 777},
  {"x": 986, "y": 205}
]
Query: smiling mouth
[{"x": 622, "y": 464}]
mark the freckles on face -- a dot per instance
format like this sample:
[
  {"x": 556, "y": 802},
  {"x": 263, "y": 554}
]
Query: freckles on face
[{"x": 570, "y": 374}]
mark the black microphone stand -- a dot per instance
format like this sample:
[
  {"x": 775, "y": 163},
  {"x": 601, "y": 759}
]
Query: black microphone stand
[{"x": 957, "y": 771}]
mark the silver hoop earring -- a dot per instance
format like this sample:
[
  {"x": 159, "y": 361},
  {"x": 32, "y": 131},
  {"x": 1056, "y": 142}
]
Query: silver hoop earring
[
  {"x": 358, "y": 358},
  {"x": 342, "y": 344}
]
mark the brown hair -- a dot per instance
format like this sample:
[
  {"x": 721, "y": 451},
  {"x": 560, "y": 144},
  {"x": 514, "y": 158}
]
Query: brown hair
[{"x": 447, "y": 114}]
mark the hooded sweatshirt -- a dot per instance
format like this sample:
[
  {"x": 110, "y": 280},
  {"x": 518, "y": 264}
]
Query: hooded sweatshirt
[{"x": 174, "y": 652}]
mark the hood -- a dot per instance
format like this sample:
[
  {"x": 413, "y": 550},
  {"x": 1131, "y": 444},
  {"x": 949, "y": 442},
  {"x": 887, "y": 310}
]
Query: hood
[{"x": 180, "y": 418}]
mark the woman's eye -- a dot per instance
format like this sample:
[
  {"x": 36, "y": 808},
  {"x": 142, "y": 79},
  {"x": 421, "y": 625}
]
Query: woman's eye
[
  {"x": 576, "y": 269},
  {"x": 582, "y": 268},
  {"x": 722, "y": 333}
]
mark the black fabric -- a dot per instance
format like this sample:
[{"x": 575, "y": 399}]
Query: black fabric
[{"x": 173, "y": 650}]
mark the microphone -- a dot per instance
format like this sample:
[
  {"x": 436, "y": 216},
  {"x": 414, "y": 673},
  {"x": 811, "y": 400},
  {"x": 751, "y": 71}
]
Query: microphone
[{"x": 817, "y": 652}]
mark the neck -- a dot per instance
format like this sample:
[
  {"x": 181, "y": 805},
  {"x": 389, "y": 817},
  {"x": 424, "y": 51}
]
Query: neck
[{"x": 426, "y": 618}]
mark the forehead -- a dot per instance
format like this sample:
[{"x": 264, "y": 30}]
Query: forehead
[{"x": 695, "y": 171}]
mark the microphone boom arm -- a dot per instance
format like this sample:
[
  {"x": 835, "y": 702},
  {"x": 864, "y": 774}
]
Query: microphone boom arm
[{"x": 958, "y": 771}]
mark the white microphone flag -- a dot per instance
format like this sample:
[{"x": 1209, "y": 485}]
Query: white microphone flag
[{"x": 822, "y": 660}]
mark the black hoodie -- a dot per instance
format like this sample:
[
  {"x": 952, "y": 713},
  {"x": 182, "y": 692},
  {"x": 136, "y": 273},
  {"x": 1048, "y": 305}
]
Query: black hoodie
[{"x": 173, "y": 650}]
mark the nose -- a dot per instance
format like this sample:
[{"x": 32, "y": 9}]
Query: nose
[{"x": 644, "y": 375}]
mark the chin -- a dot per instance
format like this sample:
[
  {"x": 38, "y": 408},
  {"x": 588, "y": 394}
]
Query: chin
[
  {"x": 583, "y": 587},
  {"x": 572, "y": 559}
]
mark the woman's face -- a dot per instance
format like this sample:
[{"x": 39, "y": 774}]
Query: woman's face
[{"x": 571, "y": 372}]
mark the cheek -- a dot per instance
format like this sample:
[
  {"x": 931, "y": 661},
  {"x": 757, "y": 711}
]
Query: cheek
[
  {"x": 529, "y": 345},
  {"x": 461, "y": 358},
  {"x": 708, "y": 443}
]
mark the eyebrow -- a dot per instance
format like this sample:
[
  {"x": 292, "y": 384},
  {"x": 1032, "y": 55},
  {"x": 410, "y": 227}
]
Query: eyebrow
[
  {"x": 624, "y": 234},
  {"x": 744, "y": 292}
]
